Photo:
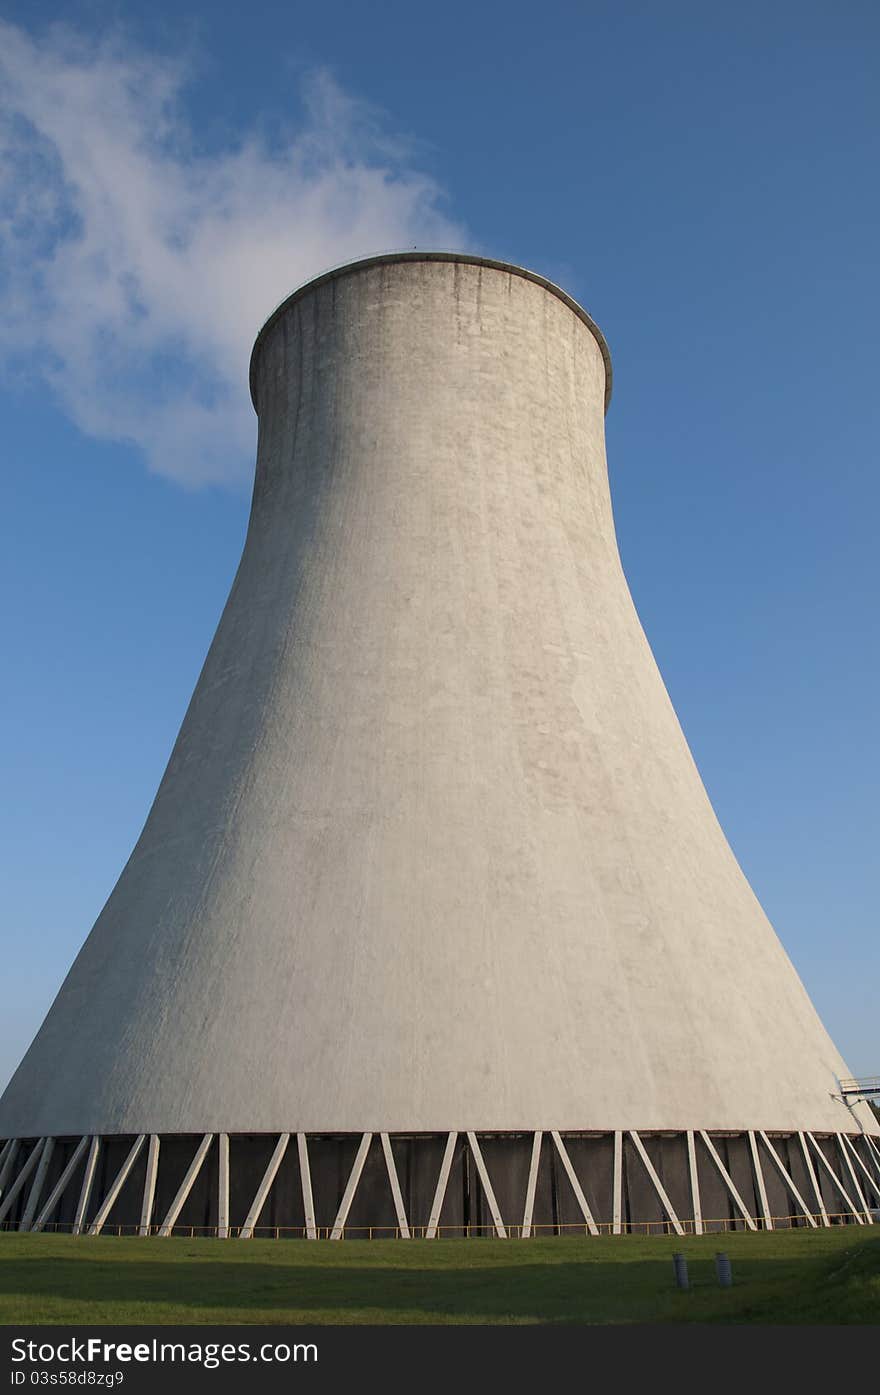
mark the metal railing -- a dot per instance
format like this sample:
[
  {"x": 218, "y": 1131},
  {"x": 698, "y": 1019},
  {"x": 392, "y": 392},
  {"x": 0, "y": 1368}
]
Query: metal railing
[
  {"x": 514, "y": 1230},
  {"x": 863, "y": 1085}
]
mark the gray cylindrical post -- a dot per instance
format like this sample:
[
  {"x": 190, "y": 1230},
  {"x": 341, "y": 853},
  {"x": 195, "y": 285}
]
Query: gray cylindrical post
[
  {"x": 680, "y": 1269},
  {"x": 723, "y": 1270}
]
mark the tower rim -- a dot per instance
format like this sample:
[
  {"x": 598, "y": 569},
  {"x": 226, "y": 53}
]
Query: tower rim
[{"x": 461, "y": 258}]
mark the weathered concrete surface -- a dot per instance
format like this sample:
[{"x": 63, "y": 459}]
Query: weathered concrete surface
[{"x": 431, "y": 851}]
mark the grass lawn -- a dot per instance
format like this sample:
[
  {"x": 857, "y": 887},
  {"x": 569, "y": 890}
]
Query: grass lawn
[{"x": 824, "y": 1276}]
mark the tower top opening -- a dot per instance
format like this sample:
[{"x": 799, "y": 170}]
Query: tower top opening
[{"x": 462, "y": 259}]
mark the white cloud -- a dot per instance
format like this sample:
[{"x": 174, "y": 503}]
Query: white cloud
[{"x": 136, "y": 271}]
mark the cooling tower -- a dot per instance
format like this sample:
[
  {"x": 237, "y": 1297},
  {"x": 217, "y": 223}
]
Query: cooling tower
[{"x": 431, "y": 927}]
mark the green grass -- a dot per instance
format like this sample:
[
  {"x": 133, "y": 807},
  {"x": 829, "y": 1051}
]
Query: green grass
[{"x": 826, "y": 1276}]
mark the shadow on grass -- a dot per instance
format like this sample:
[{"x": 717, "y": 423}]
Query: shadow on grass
[{"x": 844, "y": 1287}]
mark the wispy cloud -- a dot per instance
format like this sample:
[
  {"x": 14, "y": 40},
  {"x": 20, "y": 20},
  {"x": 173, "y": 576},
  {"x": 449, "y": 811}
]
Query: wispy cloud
[{"x": 136, "y": 270}]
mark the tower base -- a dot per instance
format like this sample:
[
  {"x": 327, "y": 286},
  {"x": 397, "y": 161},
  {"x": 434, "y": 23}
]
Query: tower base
[{"x": 380, "y": 1185}]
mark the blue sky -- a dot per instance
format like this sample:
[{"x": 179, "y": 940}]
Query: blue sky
[{"x": 702, "y": 178}]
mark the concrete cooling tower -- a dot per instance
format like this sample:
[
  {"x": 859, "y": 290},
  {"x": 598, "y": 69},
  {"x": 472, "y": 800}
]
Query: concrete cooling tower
[{"x": 431, "y": 928}]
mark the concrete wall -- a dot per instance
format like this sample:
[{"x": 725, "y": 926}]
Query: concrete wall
[{"x": 431, "y": 851}]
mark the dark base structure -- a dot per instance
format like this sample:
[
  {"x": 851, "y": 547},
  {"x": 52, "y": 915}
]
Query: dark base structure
[{"x": 335, "y": 1186}]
